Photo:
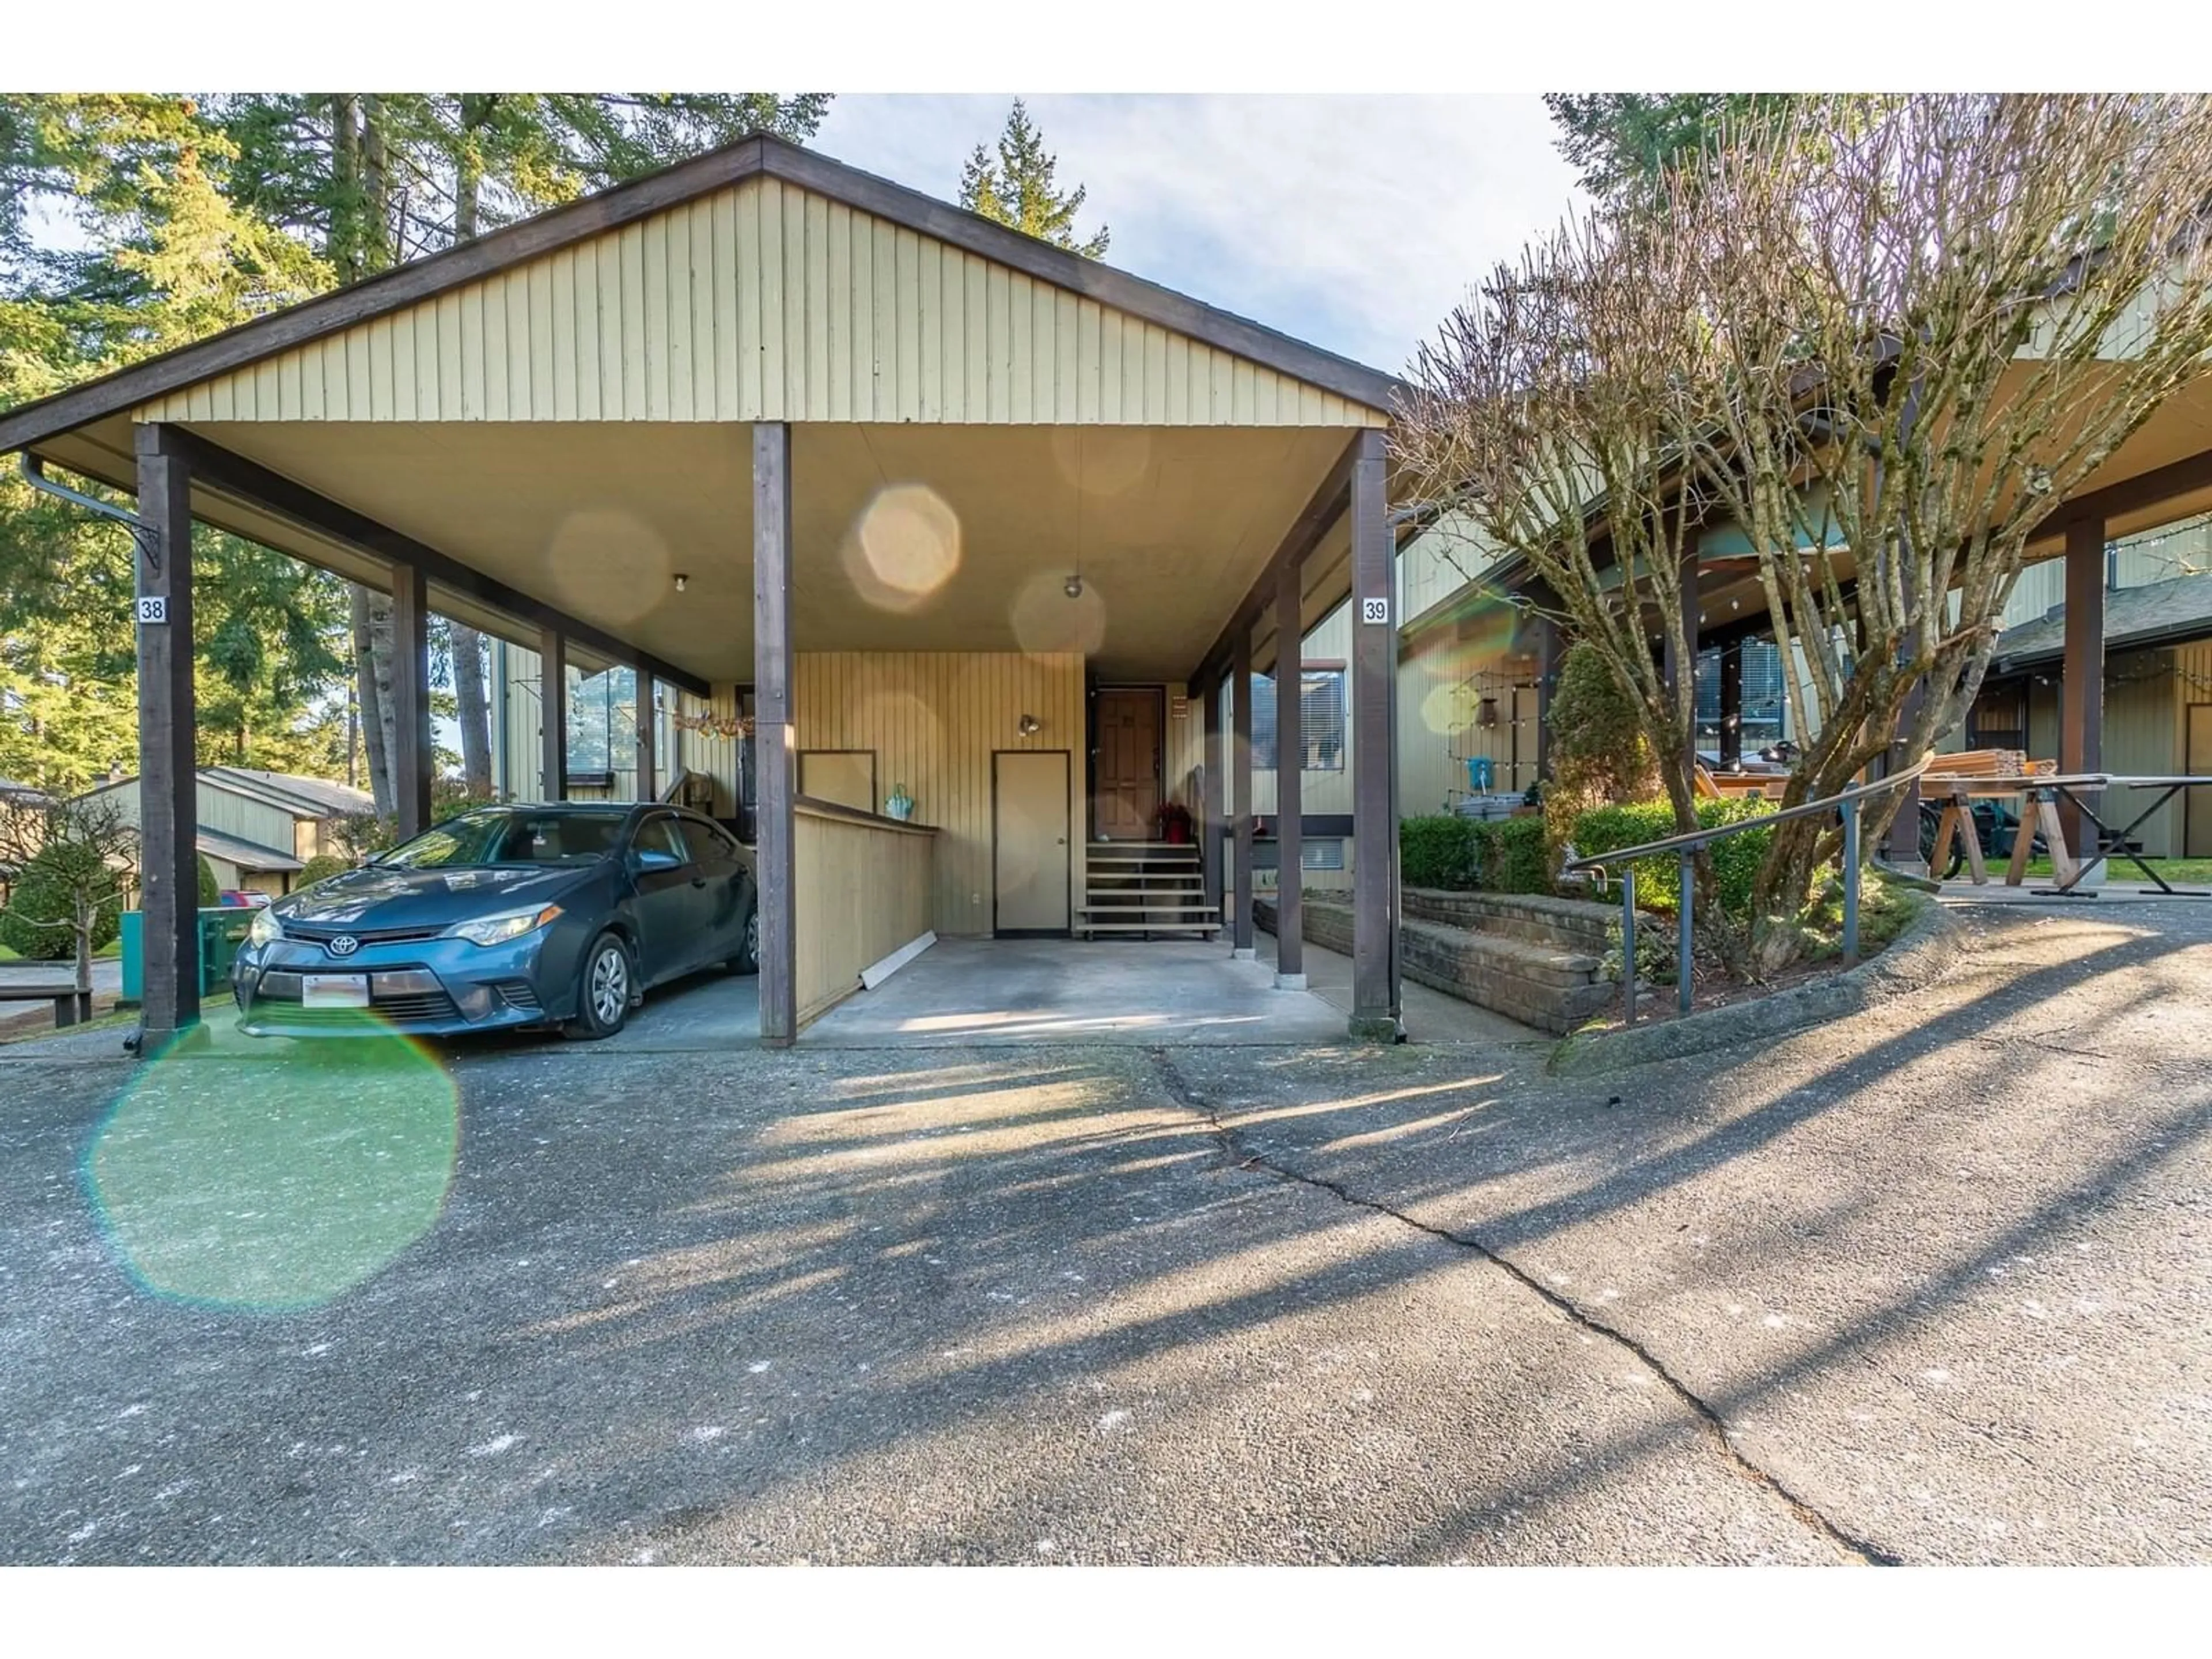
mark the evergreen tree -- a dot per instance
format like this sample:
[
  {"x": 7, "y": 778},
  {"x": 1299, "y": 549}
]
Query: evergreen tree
[{"x": 1015, "y": 187}]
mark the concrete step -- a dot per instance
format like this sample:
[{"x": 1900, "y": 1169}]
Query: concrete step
[
  {"x": 1126, "y": 899},
  {"x": 1205, "y": 929},
  {"x": 1179, "y": 848},
  {"x": 1112, "y": 912}
]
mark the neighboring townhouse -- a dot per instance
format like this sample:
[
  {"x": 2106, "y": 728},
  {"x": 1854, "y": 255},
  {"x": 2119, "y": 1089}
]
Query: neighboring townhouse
[{"x": 257, "y": 829}]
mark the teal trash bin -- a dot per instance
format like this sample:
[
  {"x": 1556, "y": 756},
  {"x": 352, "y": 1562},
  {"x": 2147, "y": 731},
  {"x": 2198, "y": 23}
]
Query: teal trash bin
[{"x": 221, "y": 931}]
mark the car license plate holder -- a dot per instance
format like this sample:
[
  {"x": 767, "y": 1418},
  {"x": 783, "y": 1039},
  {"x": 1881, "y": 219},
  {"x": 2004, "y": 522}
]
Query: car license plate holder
[{"x": 334, "y": 990}]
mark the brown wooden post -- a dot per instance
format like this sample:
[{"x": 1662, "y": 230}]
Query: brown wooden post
[
  {"x": 553, "y": 713},
  {"x": 647, "y": 778},
  {"x": 1731, "y": 703},
  {"x": 777, "y": 780},
  {"x": 2081, "y": 681},
  {"x": 411, "y": 738},
  {"x": 1290, "y": 769},
  {"x": 1240, "y": 791},
  {"x": 1374, "y": 754},
  {"x": 168, "y": 777},
  {"x": 1211, "y": 768}
]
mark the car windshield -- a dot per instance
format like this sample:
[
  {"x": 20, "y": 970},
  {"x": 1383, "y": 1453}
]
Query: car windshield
[{"x": 474, "y": 838}]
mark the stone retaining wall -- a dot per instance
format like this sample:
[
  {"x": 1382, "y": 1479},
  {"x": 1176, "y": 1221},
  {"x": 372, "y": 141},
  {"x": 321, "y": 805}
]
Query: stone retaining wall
[{"x": 1532, "y": 959}]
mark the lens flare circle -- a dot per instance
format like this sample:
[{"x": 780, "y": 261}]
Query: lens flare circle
[
  {"x": 274, "y": 1184},
  {"x": 902, "y": 548},
  {"x": 603, "y": 562}
]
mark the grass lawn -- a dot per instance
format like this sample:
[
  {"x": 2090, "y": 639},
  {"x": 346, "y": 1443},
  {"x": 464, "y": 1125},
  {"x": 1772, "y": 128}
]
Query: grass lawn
[
  {"x": 113, "y": 948},
  {"x": 2182, "y": 872}
]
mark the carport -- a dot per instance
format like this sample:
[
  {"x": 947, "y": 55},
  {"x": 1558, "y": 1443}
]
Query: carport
[{"x": 889, "y": 488}]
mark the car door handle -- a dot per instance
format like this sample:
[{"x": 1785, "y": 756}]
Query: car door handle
[{"x": 698, "y": 881}]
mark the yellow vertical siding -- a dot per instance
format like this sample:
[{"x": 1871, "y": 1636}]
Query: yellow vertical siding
[
  {"x": 933, "y": 720},
  {"x": 1441, "y": 686},
  {"x": 764, "y": 301}
]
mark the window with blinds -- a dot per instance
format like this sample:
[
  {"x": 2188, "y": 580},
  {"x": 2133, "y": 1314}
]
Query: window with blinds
[{"x": 1321, "y": 713}]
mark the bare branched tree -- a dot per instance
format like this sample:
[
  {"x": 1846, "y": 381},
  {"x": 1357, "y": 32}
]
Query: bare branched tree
[
  {"x": 72, "y": 861},
  {"x": 1884, "y": 350}
]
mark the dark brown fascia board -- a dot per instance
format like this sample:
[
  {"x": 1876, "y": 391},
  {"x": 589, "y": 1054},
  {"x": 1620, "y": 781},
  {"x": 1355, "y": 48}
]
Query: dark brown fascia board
[
  {"x": 233, "y": 475},
  {"x": 376, "y": 296},
  {"x": 1328, "y": 504},
  {"x": 587, "y": 658},
  {"x": 594, "y": 215},
  {"x": 2186, "y": 477}
]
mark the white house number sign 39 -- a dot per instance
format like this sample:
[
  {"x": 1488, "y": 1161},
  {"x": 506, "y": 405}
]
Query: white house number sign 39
[
  {"x": 1370, "y": 611},
  {"x": 153, "y": 608}
]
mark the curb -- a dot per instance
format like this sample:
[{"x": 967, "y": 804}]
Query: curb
[{"x": 1923, "y": 953}]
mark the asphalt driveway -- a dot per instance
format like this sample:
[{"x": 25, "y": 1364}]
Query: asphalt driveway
[{"x": 1932, "y": 1285}]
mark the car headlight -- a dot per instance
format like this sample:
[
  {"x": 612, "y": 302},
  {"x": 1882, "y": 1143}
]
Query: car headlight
[
  {"x": 264, "y": 929},
  {"x": 507, "y": 924}
]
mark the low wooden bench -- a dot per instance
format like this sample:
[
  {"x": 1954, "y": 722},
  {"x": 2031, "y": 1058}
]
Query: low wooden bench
[{"x": 71, "y": 1005}]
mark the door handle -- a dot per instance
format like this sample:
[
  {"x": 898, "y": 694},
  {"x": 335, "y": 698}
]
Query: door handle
[
  {"x": 1059, "y": 841},
  {"x": 698, "y": 881}
]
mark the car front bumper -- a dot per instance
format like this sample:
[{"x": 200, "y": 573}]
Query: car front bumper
[{"x": 424, "y": 987}]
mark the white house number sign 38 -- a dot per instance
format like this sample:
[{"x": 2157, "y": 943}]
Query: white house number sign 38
[
  {"x": 1370, "y": 611},
  {"x": 153, "y": 608}
]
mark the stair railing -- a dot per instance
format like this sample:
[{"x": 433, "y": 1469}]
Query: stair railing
[{"x": 1685, "y": 846}]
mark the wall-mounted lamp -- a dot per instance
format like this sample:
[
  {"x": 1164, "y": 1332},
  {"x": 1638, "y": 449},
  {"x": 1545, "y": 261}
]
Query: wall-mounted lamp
[
  {"x": 1073, "y": 586},
  {"x": 1030, "y": 725},
  {"x": 1487, "y": 713},
  {"x": 682, "y": 581}
]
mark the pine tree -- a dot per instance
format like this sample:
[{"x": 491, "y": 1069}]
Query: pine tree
[{"x": 1015, "y": 187}]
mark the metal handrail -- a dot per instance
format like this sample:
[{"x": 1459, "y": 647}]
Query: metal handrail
[{"x": 1686, "y": 845}]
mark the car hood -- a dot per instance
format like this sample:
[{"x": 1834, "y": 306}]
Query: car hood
[{"x": 372, "y": 900}]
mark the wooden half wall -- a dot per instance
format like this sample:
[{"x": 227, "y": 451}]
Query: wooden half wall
[
  {"x": 863, "y": 888},
  {"x": 933, "y": 720}
]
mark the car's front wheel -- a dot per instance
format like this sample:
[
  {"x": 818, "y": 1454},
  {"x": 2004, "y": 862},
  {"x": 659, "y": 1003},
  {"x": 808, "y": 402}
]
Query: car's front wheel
[
  {"x": 603, "y": 987},
  {"x": 747, "y": 960}
]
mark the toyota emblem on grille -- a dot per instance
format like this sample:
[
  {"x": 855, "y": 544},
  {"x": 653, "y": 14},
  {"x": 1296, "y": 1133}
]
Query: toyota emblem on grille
[{"x": 343, "y": 945}]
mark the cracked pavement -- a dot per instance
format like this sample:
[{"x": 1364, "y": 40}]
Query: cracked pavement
[{"x": 1930, "y": 1285}]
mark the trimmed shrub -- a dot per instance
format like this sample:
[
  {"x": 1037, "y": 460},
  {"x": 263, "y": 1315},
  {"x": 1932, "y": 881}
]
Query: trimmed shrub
[
  {"x": 1520, "y": 859},
  {"x": 321, "y": 867},
  {"x": 1505, "y": 855},
  {"x": 35, "y": 924},
  {"x": 210, "y": 889},
  {"x": 1439, "y": 850},
  {"x": 1735, "y": 860}
]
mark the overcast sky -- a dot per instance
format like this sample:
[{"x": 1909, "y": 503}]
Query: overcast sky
[{"x": 1352, "y": 223}]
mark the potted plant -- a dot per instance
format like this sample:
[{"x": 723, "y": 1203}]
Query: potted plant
[{"x": 1171, "y": 823}]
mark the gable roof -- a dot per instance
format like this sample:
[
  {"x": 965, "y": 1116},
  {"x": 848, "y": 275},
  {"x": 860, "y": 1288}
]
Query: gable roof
[
  {"x": 319, "y": 797},
  {"x": 287, "y": 791},
  {"x": 2157, "y": 613},
  {"x": 595, "y": 215}
]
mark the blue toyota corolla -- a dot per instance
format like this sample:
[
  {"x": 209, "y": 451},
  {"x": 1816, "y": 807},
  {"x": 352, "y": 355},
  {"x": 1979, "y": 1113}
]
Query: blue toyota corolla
[{"x": 558, "y": 915}]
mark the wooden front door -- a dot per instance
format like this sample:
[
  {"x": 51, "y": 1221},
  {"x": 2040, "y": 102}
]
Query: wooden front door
[{"x": 1128, "y": 776}]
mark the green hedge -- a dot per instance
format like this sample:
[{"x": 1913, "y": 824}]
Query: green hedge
[
  {"x": 34, "y": 926},
  {"x": 1735, "y": 860},
  {"x": 1503, "y": 855}
]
